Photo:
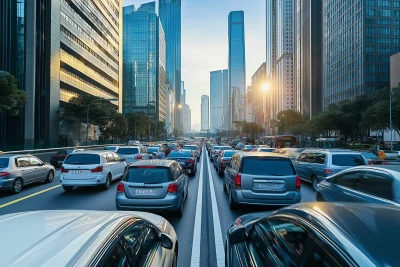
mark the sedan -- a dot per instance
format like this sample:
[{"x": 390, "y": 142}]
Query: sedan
[
  {"x": 316, "y": 234},
  {"x": 58, "y": 158},
  {"x": 87, "y": 238},
  {"x": 156, "y": 185},
  {"x": 186, "y": 158},
  {"x": 195, "y": 149},
  {"x": 223, "y": 161},
  {"x": 362, "y": 184},
  {"x": 17, "y": 171}
]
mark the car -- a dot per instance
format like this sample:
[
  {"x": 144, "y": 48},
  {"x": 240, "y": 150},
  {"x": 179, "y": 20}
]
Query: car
[
  {"x": 265, "y": 149},
  {"x": 248, "y": 148},
  {"x": 153, "y": 185},
  {"x": 133, "y": 143},
  {"x": 260, "y": 178},
  {"x": 391, "y": 155},
  {"x": 218, "y": 151},
  {"x": 87, "y": 238},
  {"x": 223, "y": 160},
  {"x": 290, "y": 152},
  {"x": 373, "y": 159},
  {"x": 132, "y": 154},
  {"x": 111, "y": 148},
  {"x": 315, "y": 165},
  {"x": 58, "y": 158},
  {"x": 155, "y": 151},
  {"x": 316, "y": 234},
  {"x": 377, "y": 184},
  {"x": 19, "y": 170},
  {"x": 195, "y": 149},
  {"x": 91, "y": 168},
  {"x": 240, "y": 146},
  {"x": 186, "y": 158}
]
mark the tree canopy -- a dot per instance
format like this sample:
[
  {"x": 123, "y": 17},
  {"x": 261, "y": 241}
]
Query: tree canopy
[{"x": 11, "y": 98}]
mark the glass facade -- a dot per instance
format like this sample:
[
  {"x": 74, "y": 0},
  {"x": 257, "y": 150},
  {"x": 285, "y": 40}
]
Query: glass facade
[
  {"x": 144, "y": 75},
  {"x": 216, "y": 100},
  {"x": 205, "y": 113},
  {"x": 225, "y": 99},
  {"x": 170, "y": 16},
  {"x": 236, "y": 65},
  {"x": 359, "y": 38}
]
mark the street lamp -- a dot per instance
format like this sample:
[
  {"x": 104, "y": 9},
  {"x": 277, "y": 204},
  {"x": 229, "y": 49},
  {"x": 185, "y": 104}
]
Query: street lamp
[{"x": 87, "y": 115}]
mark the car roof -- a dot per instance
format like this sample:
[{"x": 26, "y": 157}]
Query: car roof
[
  {"x": 262, "y": 154},
  {"x": 156, "y": 162},
  {"x": 334, "y": 150},
  {"x": 372, "y": 228},
  {"x": 93, "y": 152},
  {"x": 392, "y": 169},
  {"x": 16, "y": 155},
  {"x": 59, "y": 238}
]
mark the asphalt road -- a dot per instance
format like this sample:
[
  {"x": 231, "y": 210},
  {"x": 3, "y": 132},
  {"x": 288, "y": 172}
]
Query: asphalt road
[{"x": 203, "y": 224}]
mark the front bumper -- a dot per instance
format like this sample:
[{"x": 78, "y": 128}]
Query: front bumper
[
  {"x": 6, "y": 184},
  {"x": 273, "y": 201},
  {"x": 170, "y": 203}
]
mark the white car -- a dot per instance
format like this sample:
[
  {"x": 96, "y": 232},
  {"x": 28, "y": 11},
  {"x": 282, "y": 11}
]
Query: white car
[
  {"x": 91, "y": 168},
  {"x": 132, "y": 154},
  {"x": 111, "y": 148}
]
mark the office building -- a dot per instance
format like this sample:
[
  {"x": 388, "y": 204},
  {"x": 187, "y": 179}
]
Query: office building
[
  {"x": 260, "y": 95},
  {"x": 57, "y": 50},
  {"x": 395, "y": 70},
  {"x": 236, "y": 66},
  {"x": 308, "y": 57},
  {"x": 170, "y": 16},
  {"x": 271, "y": 61},
  {"x": 225, "y": 100},
  {"x": 144, "y": 76},
  {"x": 170, "y": 111},
  {"x": 205, "y": 116},
  {"x": 250, "y": 104},
  {"x": 187, "y": 119},
  {"x": 216, "y": 100},
  {"x": 359, "y": 38}
]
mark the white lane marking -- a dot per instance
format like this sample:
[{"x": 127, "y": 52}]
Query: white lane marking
[
  {"x": 219, "y": 243},
  {"x": 196, "y": 244}
]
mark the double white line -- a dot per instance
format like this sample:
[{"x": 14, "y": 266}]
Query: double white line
[{"x": 196, "y": 246}]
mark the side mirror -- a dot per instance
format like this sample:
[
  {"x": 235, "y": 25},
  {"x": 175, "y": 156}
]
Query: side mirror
[
  {"x": 166, "y": 241},
  {"x": 237, "y": 235}
]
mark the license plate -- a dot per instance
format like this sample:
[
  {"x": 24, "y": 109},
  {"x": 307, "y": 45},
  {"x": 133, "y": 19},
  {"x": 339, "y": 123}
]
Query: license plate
[
  {"x": 80, "y": 172},
  {"x": 145, "y": 191},
  {"x": 269, "y": 186}
]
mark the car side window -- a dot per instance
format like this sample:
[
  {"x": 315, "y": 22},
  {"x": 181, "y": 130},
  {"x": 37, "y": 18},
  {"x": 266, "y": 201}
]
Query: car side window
[
  {"x": 110, "y": 157},
  {"x": 104, "y": 158},
  {"x": 23, "y": 162},
  {"x": 320, "y": 158},
  {"x": 302, "y": 157},
  {"x": 376, "y": 184},
  {"x": 350, "y": 180},
  {"x": 116, "y": 157},
  {"x": 310, "y": 158},
  {"x": 179, "y": 171},
  {"x": 35, "y": 161}
]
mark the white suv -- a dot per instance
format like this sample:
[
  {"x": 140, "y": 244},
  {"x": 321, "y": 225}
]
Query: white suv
[{"x": 91, "y": 168}]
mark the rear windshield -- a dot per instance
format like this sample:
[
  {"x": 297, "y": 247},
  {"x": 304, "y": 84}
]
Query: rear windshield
[
  {"x": 178, "y": 154},
  {"x": 225, "y": 148},
  {"x": 347, "y": 160},
  {"x": 61, "y": 152},
  {"x": 229, "y": 153},
  {"x": 152, "y": 149},
  {"x": 148, "y": 175},
  {"x": 3, "y": 162},
  {"x": 369, "y": 155},
  {"x": 82, "y": 159},
  {"x": 266, "y": 149},
  {"x": 109, "y": 148},
  {"x": 263, "y": 166},
  {"x": 172, "y": 146},
  {"x": 128, "y": 151},
  {"x": 191, "y": 147}
]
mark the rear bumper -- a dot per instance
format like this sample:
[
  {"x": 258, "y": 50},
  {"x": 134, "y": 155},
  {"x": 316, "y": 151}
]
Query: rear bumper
[
  {"x": 170, "y": 203},
  {"x": 84, "y": 181},
  {"x": 275, "y": 200}
]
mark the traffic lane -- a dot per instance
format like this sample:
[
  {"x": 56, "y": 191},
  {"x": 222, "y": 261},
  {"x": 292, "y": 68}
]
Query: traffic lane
[{"x": 228, "y": 216}]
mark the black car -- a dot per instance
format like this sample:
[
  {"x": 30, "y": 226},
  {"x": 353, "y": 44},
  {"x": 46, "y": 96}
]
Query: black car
[
  {"x": 58, "y": 158},
  {"x": 362, "y": 184},
  {"x": 223, "y": 160},
  {"x": 186, "y": 158},
  {"x": 316, "y": 234}
]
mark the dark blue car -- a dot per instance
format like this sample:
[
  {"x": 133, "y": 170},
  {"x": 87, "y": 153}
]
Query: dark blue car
[{"x": 186, "y": 158}]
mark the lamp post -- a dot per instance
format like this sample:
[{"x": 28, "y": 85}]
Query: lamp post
[{"x": 87, "y": 115}]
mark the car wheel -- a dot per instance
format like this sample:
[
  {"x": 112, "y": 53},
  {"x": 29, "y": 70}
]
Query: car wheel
[
  {"x": 17, "y": 186},
  {"x": 68, "y": 188},
  {"x": 220, "y": 173},
  {"x": 314, "y": 182},
  {"x": 224, "y": 185},
  {"x": 107, "y": 185},
  {"x": 179, "y": 211},
  {"x": 50, "y": 177},
  {"x": 232, "y": 204}
]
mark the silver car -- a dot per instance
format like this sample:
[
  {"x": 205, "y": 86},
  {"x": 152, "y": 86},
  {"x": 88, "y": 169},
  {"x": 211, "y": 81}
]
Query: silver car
[
  {"x": 17, "y": 171},
  {"x": 132, "y": 154},
  {"x": 160, "y": 185},
  {"x": 87, "y": 238}
]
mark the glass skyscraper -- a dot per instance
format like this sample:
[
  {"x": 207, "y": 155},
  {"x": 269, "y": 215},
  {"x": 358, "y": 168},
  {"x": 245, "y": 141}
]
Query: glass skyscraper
[
  {"x": 205, "y": 113},
  {"x": 359, "y": 38},
  {"x": 170, "y": 16},
  {"x": 225, "y": 100},
  {"x": 216, "y": 100},
  {"x": 236, "y": 65},
  {"x": 144, "y": 75}
]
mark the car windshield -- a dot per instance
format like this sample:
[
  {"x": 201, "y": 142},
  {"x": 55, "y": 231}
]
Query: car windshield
[
  {"x": 4, "y": 162},
  {"x": 229, "y": 153},
  {"x": 110, "y": 148},
  {"x": 128, "y": 150},
  {"x": 148, "y": 175},
  {"x": 347, "y": 160},
  {"x": 152, "y": 149},
  {"x": 82, "y": 159},
  {"x": 265, "y": 166},
  {"x": 180, "y": 154}
]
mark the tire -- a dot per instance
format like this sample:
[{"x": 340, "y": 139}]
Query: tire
[
  {"x": 220, "y": 173},
  {"x": 179, "y": 211},
  {"x": 17, "y": 186},
  {"x": 67, "y": 188},
  {"x": 232, "y": 204},
  {"x": 224, "y": 186},
  {"x": 314, "y": 182},
  {"x": 107, "y": 185},
  {"x": 50, "y": 177}
]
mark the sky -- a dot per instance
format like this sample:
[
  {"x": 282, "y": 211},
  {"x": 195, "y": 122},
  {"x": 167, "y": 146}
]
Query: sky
[{"x": 205, "y": 43}]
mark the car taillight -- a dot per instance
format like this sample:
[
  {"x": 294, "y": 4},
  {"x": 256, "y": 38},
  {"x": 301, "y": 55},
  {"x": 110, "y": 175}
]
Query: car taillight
[
  {"x": 370, "y": 162},
  {"x": 386, "y": 163},
  {"x": 328, "y": 171},
  {"x": 191, "y": 161},
  {"x": 2, "y": 174},
  {"x": 97, "y": 169},
  {"x": 64, "y": 170},
  {"x": 138, "y": 157},
  {"x": 223, "y": 161},
  {"x": 238, "y": 180},
  {"x": 298, "y": 183},
  {"x": 173, "y": 188},
  {"x": 120, "y": 188}
]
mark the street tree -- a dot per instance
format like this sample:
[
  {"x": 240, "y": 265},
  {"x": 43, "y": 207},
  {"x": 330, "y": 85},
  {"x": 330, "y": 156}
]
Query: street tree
[
  {"x": 11, "y": 98},
  {"x": 117, "y": 127},
  {"x": 290, "y": 121}
]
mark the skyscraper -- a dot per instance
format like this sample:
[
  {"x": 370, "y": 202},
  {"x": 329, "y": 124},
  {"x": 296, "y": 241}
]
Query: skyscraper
[
  {"x": 236, "y": 66},
  {"x": 187, "y": 119},
  {"x": 308, "y": 57},
  {"x": 216, "y": 100},
  {"x": 225, "y": 100},
  {"x": 359, "y": 38},
  {"x": 205, "y": 116},
  {"x": 170, "y": 16},
  {"x": 272, "y": 107},
  {"x": 144, "y": 62}
]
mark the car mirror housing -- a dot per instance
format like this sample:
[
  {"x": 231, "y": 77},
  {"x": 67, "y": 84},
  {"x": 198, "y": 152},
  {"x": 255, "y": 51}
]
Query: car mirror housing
[
  {"x": 237, "y": 234},
  {"x": 166, "y": 241},
  {"x": 123, "y": 159}
]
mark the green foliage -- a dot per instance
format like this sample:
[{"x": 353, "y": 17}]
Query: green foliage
[
  {"x": 289, "y": 121},
  {"x": 251, "y": 128},
  {"x": 11, "y": 98},
  {"x": 117, "y": 127}
]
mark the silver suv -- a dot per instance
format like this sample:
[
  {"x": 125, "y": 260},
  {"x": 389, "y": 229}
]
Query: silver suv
[{"x": 315, "y": 165}]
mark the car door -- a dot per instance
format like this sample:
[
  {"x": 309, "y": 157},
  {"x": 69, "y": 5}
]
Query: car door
[
  {"x": 320, "y": 165},
  {"x": 111, "y": 164},
  {"x": 39, "y": 170},
  {"x": 376, "y": 187},
  {"x": 180, "y": 178},
  {"x": 298, "y": 164},
  {"x": 344, "y": 188},
  {"x": 27, "y": 171},
  {"x": 119, "y": 165},
  {"x": 229, "y": 170},
  {"x": 308, "y": 165}
]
